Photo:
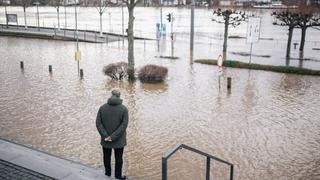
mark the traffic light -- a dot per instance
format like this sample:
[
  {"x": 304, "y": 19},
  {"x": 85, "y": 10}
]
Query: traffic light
[{"x": 169, "y": 17}]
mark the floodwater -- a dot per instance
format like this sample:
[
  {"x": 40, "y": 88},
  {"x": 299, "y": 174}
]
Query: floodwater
[
  {"x": 268, "y": 125},
  {"x": 208, "y": 34}
]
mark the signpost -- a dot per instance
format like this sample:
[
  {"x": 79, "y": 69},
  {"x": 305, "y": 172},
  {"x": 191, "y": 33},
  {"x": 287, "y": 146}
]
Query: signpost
[
  {"x": 253, "y": 32},
  {"x": 12, "y": 18}
]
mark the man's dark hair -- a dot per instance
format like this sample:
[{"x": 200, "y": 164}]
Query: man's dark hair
[{"x": 116, "y": 93}]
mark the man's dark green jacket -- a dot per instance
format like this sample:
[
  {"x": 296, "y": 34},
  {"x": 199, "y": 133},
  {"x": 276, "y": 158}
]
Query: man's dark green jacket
[{"x": 112, "y": 120}]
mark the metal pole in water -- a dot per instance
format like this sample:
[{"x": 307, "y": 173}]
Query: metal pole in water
[
  {"x": 21, "y": 65},
  {"x": 250, "y": 54},
  {"x": 50, "y": 69},
  {"x": 81, "y": 73},
  {"x": 219, "y": 82},
  {"x": 229, "y": 83}
]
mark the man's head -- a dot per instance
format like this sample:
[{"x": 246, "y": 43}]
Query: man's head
[{"x": 116, "y": 93}]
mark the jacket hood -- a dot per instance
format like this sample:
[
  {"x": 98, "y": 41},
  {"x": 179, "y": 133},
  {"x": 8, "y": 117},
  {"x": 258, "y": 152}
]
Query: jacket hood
[{"x": 113, "y": 101}]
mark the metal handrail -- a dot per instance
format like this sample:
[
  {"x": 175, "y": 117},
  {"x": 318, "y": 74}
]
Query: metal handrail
[{"x": 182, "y": 146}]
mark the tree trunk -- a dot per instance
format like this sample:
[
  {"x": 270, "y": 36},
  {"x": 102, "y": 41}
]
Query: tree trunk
[
  {"x": 131, "y": 43},
  {"x": 289, "y": 42},
  {"x": 25, "y": 18},
  {"x": 58, "y": 15},
  {"x": 303, "y": 38},
  {"x": 225, "y": 41},
  {"x": 209, "y": 3}
]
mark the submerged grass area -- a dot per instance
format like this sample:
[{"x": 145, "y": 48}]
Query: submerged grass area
[
  {"x": 243, "y": 65},
  {"x": 168, "y": 57}
]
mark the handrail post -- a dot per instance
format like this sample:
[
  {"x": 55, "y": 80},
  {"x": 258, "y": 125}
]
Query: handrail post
[
  {"x": 208, "y": 169},
  {"x": 164, "y": 169},
  {"x": 231, "y": 172},
  {"x": 208, "y": 161}
]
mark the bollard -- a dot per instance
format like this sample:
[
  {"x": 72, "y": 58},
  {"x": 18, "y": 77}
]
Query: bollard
[
  {"x": 81, "y": 73},
  {"x": 50, "y": 69},
  {"x": 107, "y": 39},
  {"x": 144, "y": 44},
  {"x": 229, "y": 82},
  {"x": 21, "y": 65}
]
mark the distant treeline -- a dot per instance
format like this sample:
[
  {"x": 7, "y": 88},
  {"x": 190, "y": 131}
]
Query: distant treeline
[{"x": 155, "y": 2}]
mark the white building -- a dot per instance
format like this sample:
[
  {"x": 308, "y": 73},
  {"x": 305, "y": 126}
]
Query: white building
[
  {"x": 240, "y": 2},
  {"x": 70, "y": 2}
]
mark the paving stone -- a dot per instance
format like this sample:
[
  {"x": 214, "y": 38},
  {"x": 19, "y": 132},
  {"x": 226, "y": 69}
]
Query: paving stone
[{"x": 12, "y": 171}]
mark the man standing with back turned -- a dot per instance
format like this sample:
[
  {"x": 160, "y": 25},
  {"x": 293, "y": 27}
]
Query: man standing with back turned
[{"x": 112, "y": 122}]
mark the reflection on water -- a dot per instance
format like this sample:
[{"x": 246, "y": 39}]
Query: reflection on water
[
  {"x": 154, "y": 88},
  {"x": 268, "y": 126}
]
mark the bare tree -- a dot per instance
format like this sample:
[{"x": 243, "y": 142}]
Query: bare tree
[
  {"x": 56, "y": 4},
  {"x": 25, "y": 4},
  {"x": 308, "y": 17},
  {"x": 228, "y": 17},
  {"x": 288, "y": 18},
  {"x": 101, "y": 8}
]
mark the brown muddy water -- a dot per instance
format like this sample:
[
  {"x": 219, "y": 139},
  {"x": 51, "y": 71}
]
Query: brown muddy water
[{"x": 268, "y": 126}]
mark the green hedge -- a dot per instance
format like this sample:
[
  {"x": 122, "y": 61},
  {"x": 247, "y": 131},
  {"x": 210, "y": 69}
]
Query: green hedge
[{"x": 282, "y": 69}]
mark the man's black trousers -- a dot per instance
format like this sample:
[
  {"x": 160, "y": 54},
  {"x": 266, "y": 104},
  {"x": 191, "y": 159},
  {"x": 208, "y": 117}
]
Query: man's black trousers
[{"x": 118, "y": 153}]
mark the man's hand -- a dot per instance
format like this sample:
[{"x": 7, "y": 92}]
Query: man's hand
[{"x": 108, "y": 139}]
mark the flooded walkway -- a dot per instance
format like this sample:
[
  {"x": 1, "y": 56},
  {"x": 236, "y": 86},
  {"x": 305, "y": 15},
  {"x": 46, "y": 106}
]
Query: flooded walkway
[
  {"x": 58, "y": 34},
  {"x": 22, "y": 162}
]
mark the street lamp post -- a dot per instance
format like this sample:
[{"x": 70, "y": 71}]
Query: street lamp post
[
  {"x": 38, "y": 21},
  {"x": 65, "y": 18},
  {"x": 192, "y": 31},
  {"x": 122, "y": 25},
  {"x": 58, "y": 13},
  {"x": 77, "y": 33},
  {"x": 5, "y": 9},
  {"x": 161, "y": 25}
]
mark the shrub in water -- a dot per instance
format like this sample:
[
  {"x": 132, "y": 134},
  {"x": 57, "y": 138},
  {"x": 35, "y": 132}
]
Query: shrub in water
[
  {"x": 117, "y": 71},
  {"x": 152, "y": 73}
]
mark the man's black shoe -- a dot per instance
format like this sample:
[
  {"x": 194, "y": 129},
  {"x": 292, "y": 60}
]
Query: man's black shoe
[{"x": 122, "y": 178}]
